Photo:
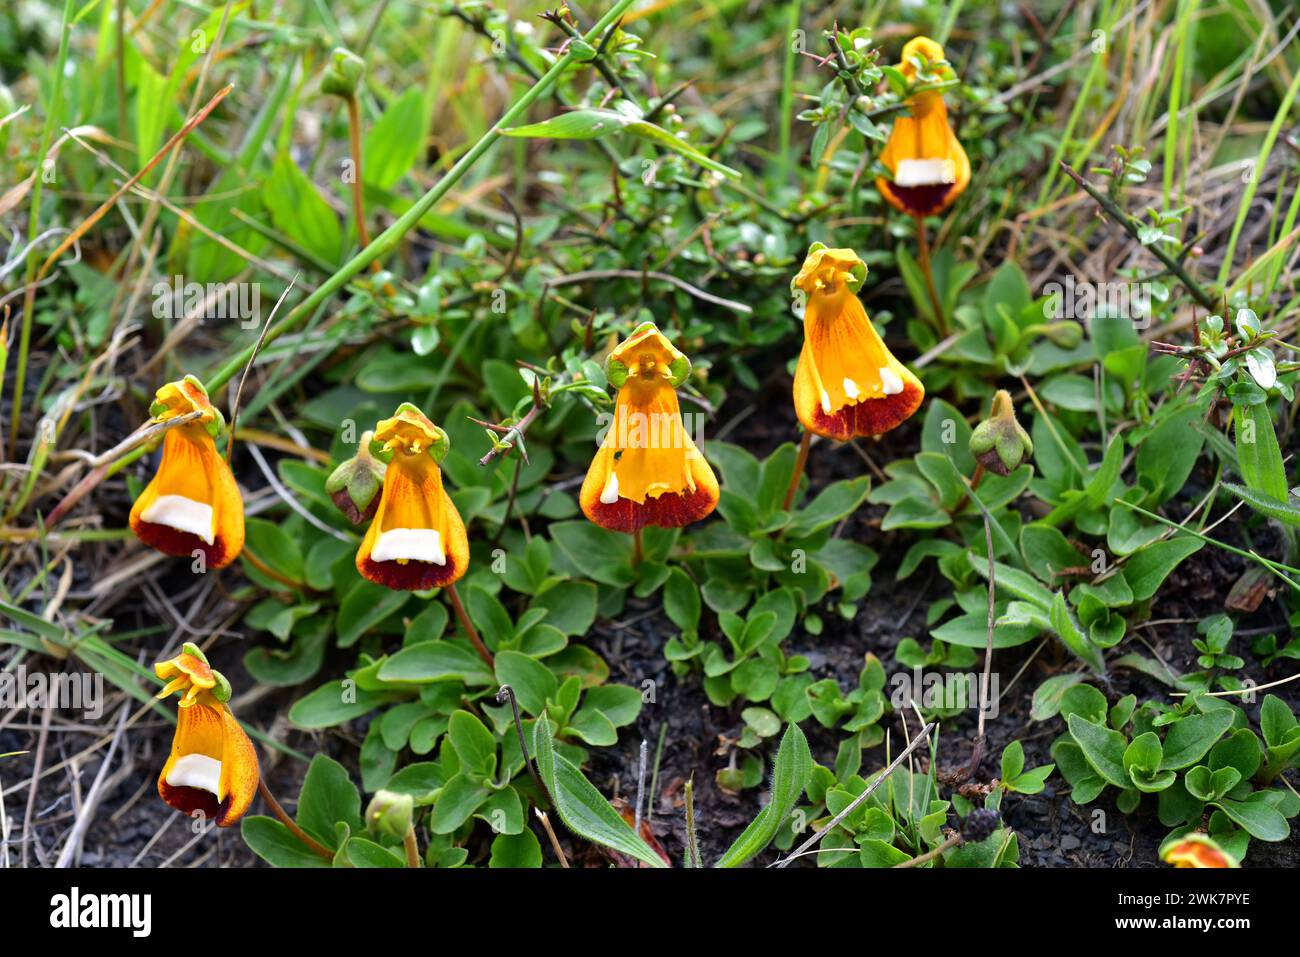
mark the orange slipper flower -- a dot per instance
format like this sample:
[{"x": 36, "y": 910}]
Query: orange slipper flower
[
  {"x": 929, "y": 167},
  {"x": 1195, "y": 850},
  {"x": 647, "y": 471},
  {"x": 213, "y": 765},
  {"x": 193, "y": 503},
  {"x": 416, "y": 540},
  {"x": 847, "y": 382}
]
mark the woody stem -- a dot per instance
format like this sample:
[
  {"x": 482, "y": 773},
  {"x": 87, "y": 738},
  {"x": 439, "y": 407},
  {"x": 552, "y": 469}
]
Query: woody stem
[
  {"x": 291, "y": 824},
  {"x": 470, "y": 630},
  {"x": 799, "y": 464},
  {"x": 923, "y": 254}
]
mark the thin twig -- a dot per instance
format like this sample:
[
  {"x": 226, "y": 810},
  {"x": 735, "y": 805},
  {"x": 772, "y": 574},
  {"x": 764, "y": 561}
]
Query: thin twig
[
  {"x": 1131, "y": 226},
  {"x": 72, "y": 846},
  {"x": 239, "y": 391},
  {"x": 640, "y": 783},
  {"x": 681, "y": 284}
]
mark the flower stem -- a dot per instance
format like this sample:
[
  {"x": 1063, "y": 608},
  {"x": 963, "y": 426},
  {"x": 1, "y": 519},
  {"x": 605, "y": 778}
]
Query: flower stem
[
  {"x": 470, "y": 630},
  {"x": 290, "y": 823},
  {"x": 412, "y": 848},
  {"x": 550, "y": 835},
  {"x": 800, "y": 464},
  {"x": 358, "y": 206},
  {"x": 923, "y": 254},
  {"x": 638, "y": 549}
]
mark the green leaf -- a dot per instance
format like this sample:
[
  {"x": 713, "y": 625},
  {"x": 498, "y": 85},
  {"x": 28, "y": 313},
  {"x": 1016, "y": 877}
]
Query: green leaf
[
  {"x": 1190, "y": 738},
  {"x": 1276, "y": 721},
  {"x": 274, "y": 843},
  {"x": 333, "y": 704},
  {"x": 570, "y": 606},
  {"x": 475, "y": 745},
  {"x": 598, "y": 553},
  {"x": 488, "y": 615},
  {"x": 1258, "y": 455},
  {"x": 1166, "y": 456},
  {"x": 1147, "y": 569},
  {"x": 460, "y": 797},
  {"x": 516, "y": 850},
  {"x": 581, "y": 807},
  {"x": 1012, "y": 581},
  {"x": 328, "y": 797},
  {"x": 275, "y": 547},
  {"x": 593, "y": 124},
  {"x": 790, "y": 776},
  {"x": 620, "y": 703},
  {"x": 1143, "y": 753},
  {"x": 1048, "y": 695},
  {"x": 1013, "y": 760},
  {"x": 531, "y": 680},
  {"x": 366, "y": 605},
  {"x": 971, "y": 631},
  {"x": 1286, "y": 511},
  {"x": 1103, "y": 748},
  {"x": 363, "y": 852},
  {"x": 1067, "y": 629},
  {"x": 300, "y": 212},
  {"x": 914, "y": 511},
  {"x": 429, "y": 661},
  {"x": 832, "y": 504},
  {"x": 392, "y": 145},
  {"x": 1260, "y": 819},
  {"x": 682, "y": 601}
]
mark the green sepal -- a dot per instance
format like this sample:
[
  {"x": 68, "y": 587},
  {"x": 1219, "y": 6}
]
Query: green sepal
[
  {"x": 679, "y": 371},
  {"x": 191, "y": 649},
  {"x": 222, "y": 690},
  {"x": 858, "y": 275},
  {"x": 378, "y": 451},
  {"x": 616, "y": 373},
  {"x": 441, "y": 446}
]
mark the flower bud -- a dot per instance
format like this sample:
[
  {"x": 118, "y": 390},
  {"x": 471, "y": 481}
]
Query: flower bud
[
  {"x": 389, "y": 813},
  {"x": 343, "y": 75},
  {"x": 999, "y": 443},
  {"x": 354, "y": 485}
]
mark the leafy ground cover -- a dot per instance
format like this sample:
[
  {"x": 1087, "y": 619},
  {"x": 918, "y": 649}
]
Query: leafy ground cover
[{"x": 397, "y": 262}]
